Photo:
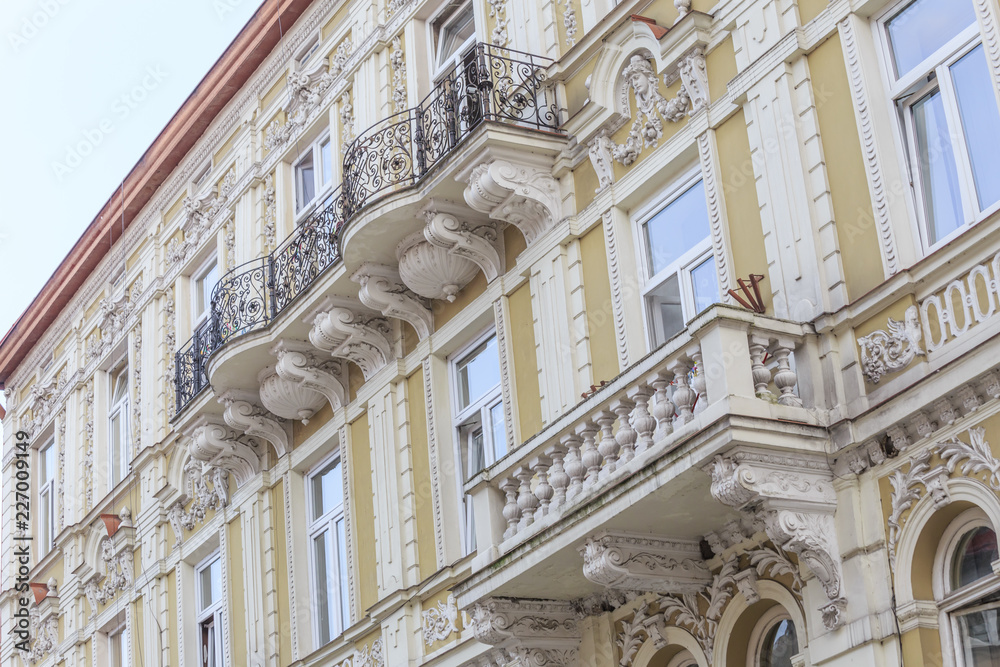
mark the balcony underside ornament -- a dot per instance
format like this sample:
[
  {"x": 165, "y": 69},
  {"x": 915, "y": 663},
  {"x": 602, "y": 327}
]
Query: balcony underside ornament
[
  {"x": 347, "y": 331},
  {"x": 886, "y": 352},
  {"x": 243, "y": 414},
  {"x": 644, "y": 563},
  {"x": 287, "y": 398},
  {"x": 221, "y": 446},
  {"x": 432, "y": 271},
  {"x": 794, "y": 499},
  {"x": 478, "y": 243},
  {"x": 383, "y": 289},
  {"x": 299, "y": 362},
  {"x": 541, "y": 633},
  {"x": 525, "y": 196}
]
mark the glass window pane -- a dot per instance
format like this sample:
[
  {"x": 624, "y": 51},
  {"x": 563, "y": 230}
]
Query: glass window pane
[
  {"x": 210, "y": 584},
  {"x": 116, "y": 448},
  {"x": 980, "y": 636},
  {"x": 976, "y": 551},
  {"x": 321, "y": 587},
  {"x": 499, "y": 432},
  {"x": 47, "y": 463},
  {"x": 780, "y": 644},
  {"x": 980, "y": 122},
  {"x": 924, "y": 27},
  {"x": 476, "y": 457},
  {"x": 345, "y": 613},
  {"x": 205, "y": 286},
  {"x": 327, "y": 161},
  {"x": 679, "y": 226},
  {"x": 327, "y": 490},
  {"x": 665, "y": 310},
  {"x": 478, "y": 373},
  {"x": 305, "y": 182},
  {"x": 458, "y": 28},
  {"x": 938, "y": 174},
  {"x": 44, "y": 518},
  {"x": 706, "y": 285}
]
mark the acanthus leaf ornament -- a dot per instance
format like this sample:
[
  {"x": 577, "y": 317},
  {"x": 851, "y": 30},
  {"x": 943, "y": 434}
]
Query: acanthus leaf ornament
[
  {"x": 440, "y": 621},
  {"x": 644, "y": 563},
  {"x": 343, "y": 329},
  {"x": 383, "y": 289},
  {"x": 498, "y": 12},
  {"x": 478, "y": 243},
  {"x": 601, "y": 155},
  {"x": 397, "y": 59},
  {"x": 43, "y": 636},
  {"x": 885, "y": 352},
  {"x": 204, "y": 496}
]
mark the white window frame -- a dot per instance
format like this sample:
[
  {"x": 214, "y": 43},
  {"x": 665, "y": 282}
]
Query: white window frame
[
  {"x": 214, "y": 612},
  {"x": 765, "y": 623},
  {"x": 322, "y": 182},
  {"x": 953, "y": 600},
  {"x": 120, "y": 631},
  {"x": 682, "y": 266},
  {"x": 482, "y": 407},
  {"x": 47, "y": 489},
  {"x": 448, "y": 13},
  {"x": 337, "y": 597},
  {"x": 119, "y": 408},
  {"x": 307, "y": 52},
  {"x": 200, "y": 177},
  {"x": 198, "y": 279},
  {"x": 908, "y": 87}
]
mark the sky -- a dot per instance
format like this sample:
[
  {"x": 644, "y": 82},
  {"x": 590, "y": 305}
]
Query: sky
[{"x": 88, "y": 85}]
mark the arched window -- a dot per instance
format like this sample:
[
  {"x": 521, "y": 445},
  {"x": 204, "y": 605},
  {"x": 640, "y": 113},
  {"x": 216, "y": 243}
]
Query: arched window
[
  {"x": 971, "y": 595},
  {"x": 774, "y": 641}
]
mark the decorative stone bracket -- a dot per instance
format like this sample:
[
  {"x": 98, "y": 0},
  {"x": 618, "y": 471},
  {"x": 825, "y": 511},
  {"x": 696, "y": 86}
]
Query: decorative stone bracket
[
  {"x": 540, "y": 633},
  {"x": 299, "y": 364},
  {"x": 243, "y": 414},
  {"x": 383, "y": 289},
  {"x": 524, "y": 196},
  {"x": 478, "y": 243},
  {"x": 221, "y": 446},
  {"x": 345, "y": 330},
  {"x": 644, "y": 563},
  {"x": 793, "y": 497},
  {"x": 205, "y": 497}
]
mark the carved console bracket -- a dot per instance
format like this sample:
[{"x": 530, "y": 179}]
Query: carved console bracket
[
  {"x": 345, "y": 330},
  {"x": 524, "y": 196},
  {"x": 541, "y": 633},
  {"x": 383, "y": 289},
  {"x": 644, "y": 563},
  {"x": 219, "y": 445},
  {"x": 298, "y": 362},
  {"x": 243, "y": 413},
  {"x": 793, "y": 497},
  {"x": 478, "y": 243}
]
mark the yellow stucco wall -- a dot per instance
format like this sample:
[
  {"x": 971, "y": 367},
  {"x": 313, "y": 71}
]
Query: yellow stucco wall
[
  {"x": 237, "y": 606},
  {"x": 720, "y": 67},
  {"x": 424, "y": 508},
  {"x": 522, "y": 335},
  {"x": 445, "y": 310},
  {"x": 597, "y": 297},
  {"x": 363, "y": 513}
]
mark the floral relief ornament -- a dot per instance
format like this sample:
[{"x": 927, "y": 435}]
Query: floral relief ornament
[
  {"x": 440, "y": 621},
  {"x": 885, "y": 352},
  {"x": 652, "y": 109}
]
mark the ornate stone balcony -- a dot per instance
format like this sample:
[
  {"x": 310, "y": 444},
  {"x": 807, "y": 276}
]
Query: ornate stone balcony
[{"x": 492, "y": 85}]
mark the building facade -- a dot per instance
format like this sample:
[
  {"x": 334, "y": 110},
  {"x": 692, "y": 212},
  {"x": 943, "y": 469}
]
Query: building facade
[{"x": 650, "y": 334}]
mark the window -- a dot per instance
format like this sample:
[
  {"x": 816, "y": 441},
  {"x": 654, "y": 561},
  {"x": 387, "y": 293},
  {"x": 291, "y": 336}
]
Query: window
[
  {"x": 117, "y": 648},
  {"x": 679, "y": 265},
  {"x": 308, "y": 52},
  {"x": 201, "y": 175},
  {"x": 119, "y": 445},
  {"x": 776, "y": 641},
  {"x": 208, "y": 585},
  {"x": 328, "y": 551},
  {"x": 205, "y": 281},
  {"x": 313, "y": 173},
  {"x": 479, "y": 417},
  {"x": 943, "y": 95},
  {"x": 453, "y": 32},
  {"x": 46, "y": 497},
  {"x": 971, "y": 592}
]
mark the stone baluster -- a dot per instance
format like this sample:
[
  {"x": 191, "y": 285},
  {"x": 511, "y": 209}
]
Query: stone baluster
[
  {"x": 663, "y": 407},
  {"x": 526, "y": 500},
  {"x": 590, "y": 456},
  {"x": 575, "y": 468},
  {"x": 626, "y": 435},
  {"x": 698, "y": 383},
  {"x": 558, "y": 478},
  {"x": 643, "y": 422},
  {"x": 785, "y": 378},
  {"x": 543, "y": 490},
  {"x": 761, "y": 373},
  {"x": 511, "y": 511},
  {"x": 684, "y": 396},
  {"x": 608, "y": 446}
]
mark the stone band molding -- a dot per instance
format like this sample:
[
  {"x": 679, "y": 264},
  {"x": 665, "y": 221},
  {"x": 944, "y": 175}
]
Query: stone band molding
[
  {"x": 793, "y": 496},
  {"x": 644, "y": 563}
]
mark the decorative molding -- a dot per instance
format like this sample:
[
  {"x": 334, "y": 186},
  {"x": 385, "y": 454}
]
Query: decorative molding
[
  {"x": 221, "y": 446},
  {"x": 43, "y": 636},
  {"x": 866, "y": 124},
  {"x": 136, "y": 372},
  {"x": 569, "y": 22},
  {"x": 794, "y": 498},
  {"x": 506, "y": 378},
  {"x": 229, "y": 241},
  {"x": 88, "y": 438},
  {"x": 903, "y": 496},
  {"x": 342, "y": 329},
  {"x": 716, "y": 216},
  {"x": 243, "y": 414},
  {"x": 345, "y": 466},
  {"x": 340, "y": 56},
  {"x": 498, "y": 12},
  {"x": 371, "y": 655},
  {"x": 618, "y": 289},
  {"x": 270, "y": 212},
  {"x": 432, "y": 271},
  {"x": 694, "y": 79},
  {"x": 299, "y": 363},
  {"x": 118, "y": 574},
  {"x": 652, "y": 108},
  {"x": 61, "y": 454},
  {"x": 205, "y": 496},
  {"x": 526, "y": 197},
  {"x": 440, "y": 622},
  {"x": 541, "y": 633},
  {"x": 346, "y": 121},
  {"x": 398, "y": 61},
  {"x": 478, "y": 243},
  {"x": 383, "y": 289},
  {"x": 306, "y": 90},
  {"x": 600, "y": 149},
  {"x": 644, "y": 563},
  {"x": 887, "y": 352},
  {"x": 432, "y": 447},
  {"x": 170, "y": 349}
]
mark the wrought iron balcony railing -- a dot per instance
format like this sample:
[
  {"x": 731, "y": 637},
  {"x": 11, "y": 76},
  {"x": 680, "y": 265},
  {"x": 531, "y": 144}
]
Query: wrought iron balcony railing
[{"x": 489, "y": 84}]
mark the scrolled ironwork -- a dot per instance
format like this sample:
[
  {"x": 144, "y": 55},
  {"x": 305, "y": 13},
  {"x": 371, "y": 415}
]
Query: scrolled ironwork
[{"x": 488, "y": 84}]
